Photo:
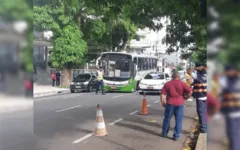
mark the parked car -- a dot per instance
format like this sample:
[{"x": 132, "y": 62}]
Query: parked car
[
  {"x": 84, "y": 82},
  {"x": 153, "y": 82}
]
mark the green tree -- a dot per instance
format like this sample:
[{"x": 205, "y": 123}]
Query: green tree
[
  {"x": 69, "y": 48},
  {"x": 179, "y": 68},
  {"x": 228, "y": 19}
]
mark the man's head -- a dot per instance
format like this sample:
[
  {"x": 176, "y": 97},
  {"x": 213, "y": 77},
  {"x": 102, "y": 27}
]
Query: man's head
[
  {"x": 199, "y": 66},
  {"x": 230, "y": 70},
  {"x": 189, "y": 70},
  {"x": 175, "y": 75}
]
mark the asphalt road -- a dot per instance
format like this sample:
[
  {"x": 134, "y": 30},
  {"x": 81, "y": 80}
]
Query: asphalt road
[
  {"x": 66, "y": 122},
  {"x": 16, "y": 124}
]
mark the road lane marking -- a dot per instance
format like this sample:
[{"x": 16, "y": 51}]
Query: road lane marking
[
  {"x": 148, "y": 105},
  {"x": 117, "y": 96},
  {"x": 69, "y": 108},
  {"x": 83, "y": 138},
  {"x": 116, "y": 121},
  {"x": 132, "y": 113},
  {"x": 156, "y": 102}
]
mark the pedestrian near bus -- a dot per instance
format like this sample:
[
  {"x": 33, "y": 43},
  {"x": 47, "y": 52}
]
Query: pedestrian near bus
[
  {"x": 176, "y": 92},
  {"x": 53, "y": 79},
  {"x": 200, "y": 94},
  {"x": 100, "y": 83}
]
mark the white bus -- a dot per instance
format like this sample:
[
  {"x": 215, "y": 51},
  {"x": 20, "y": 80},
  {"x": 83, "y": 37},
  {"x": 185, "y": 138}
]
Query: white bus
[{"x": 123, "y": 71}]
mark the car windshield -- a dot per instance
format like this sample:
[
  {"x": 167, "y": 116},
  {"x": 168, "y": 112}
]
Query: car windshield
[
  {"x": 154, "y": 76},
  {"x": 82, "y": 78}
]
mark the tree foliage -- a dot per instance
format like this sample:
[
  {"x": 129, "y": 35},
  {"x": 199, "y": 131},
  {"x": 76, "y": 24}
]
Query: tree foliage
[
  {"x": 229, "y": 25},
  {"x": 186, "y": 31},
  {"x": 69, "y": 48}
]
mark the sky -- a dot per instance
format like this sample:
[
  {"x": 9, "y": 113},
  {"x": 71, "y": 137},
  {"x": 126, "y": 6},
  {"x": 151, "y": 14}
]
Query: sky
[{"x": 152, "y": 38}]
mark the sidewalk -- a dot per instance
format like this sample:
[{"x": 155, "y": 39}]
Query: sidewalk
[
  {"x": 44, "y": 90},
  {"x": 217, "y": 139},
  {"x": 10, "y": 104}
]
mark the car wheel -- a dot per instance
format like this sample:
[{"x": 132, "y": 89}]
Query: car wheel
[
  {"x": 72, "y": 91},
  {"x": 141, "y": 93},
  {"x": 90, "y": 89}
]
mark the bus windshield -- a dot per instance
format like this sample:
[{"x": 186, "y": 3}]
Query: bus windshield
[{"x": 117, "y": 68}]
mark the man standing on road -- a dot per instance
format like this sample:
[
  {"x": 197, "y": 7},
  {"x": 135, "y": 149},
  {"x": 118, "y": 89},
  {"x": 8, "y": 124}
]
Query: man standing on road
[
  {"x": 100, "y": 74},
  {"x": 200, "y": 93},
  {"x": 176, "y": 92}
]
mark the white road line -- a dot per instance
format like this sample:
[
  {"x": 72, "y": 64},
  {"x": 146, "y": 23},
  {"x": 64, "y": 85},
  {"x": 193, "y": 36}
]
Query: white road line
[
  {"x": 148, "y": 105},
  {"x": 83, "y": 138},
  {"x": 116, "y": 121},
  {"x": 69, "y": 108},
  {"x": 117, "y": 96},
  {"x": 132, "y": 113},
  {"x": 156, "y": 102}
]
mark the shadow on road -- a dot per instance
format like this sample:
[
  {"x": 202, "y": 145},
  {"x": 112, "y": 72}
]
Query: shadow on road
[
  {"x": 116, "y": 143},
  {"x": 138, "y": 128},
  {"x": 152, "y": 124}
]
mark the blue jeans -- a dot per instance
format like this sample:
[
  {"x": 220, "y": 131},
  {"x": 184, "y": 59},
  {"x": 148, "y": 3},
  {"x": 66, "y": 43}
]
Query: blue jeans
[
  {"x": 100, "y": 84},
  {"x": 202, "y": 114},
  {"x": 233, "y": 132},
  {"x": 178, "y": 113}
]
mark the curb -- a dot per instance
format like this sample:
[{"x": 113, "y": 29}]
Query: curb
[
  {"x": 201, "y": 142},
  {"x": 49, "y": 93}
]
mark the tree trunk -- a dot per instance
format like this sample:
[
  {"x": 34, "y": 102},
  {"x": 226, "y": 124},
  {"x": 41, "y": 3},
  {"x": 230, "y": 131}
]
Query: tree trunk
[{"x": 66, "y": 77}]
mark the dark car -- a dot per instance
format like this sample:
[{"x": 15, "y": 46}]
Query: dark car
[{"x": 84, "y": 82}]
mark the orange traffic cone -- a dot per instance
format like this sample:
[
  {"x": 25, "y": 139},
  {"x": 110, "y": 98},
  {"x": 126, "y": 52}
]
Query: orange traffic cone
[
  {"x": 144, "y": 106},
  {"x": 100, "y": 129}
]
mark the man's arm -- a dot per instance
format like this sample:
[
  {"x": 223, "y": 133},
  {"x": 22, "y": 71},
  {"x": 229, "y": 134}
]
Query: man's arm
[
  {"x": 187, "y": 90},
  {"x": 162, "y": 96}
]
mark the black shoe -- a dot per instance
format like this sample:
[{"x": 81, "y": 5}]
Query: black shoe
[
  {"x": 201, "y": 131},
  {"x": 164, "y": 136},
  {"x": 103, "y": 94},
  {"x": 175, "y": 139}
]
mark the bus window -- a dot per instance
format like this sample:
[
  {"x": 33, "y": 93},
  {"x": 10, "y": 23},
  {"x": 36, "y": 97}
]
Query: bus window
[
  {"x": 135, "y": 60},
  {"x": 139, "y": 64}
]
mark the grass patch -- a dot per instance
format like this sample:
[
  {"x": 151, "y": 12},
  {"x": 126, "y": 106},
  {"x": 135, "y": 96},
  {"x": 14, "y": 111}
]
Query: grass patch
[
  {"x": 192, "y": 137},
  {"x": 62, "y": 86}
]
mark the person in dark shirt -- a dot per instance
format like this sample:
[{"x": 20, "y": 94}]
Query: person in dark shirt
[
  {"x": 58, "y": 76},
  {"x": 176, "y": 92}
]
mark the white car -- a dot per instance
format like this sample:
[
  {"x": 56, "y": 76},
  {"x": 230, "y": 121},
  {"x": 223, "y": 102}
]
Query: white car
[{"x": 153, "y": 82}]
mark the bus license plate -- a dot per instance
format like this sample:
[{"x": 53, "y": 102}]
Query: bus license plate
[
  {"x": 150, "y": 87},
  {"x": 113, "y": 87}
]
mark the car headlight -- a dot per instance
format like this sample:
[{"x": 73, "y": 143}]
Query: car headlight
[
  {"x": 85, "y": 83},
  {"x": 72, "y": 83},
  {"x": 162, "y": 83}
]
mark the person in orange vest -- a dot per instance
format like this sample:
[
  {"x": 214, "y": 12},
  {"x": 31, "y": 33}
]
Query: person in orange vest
[
  {"x": 215, "y": 85},
  {"x": 53, "y": 79}
]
